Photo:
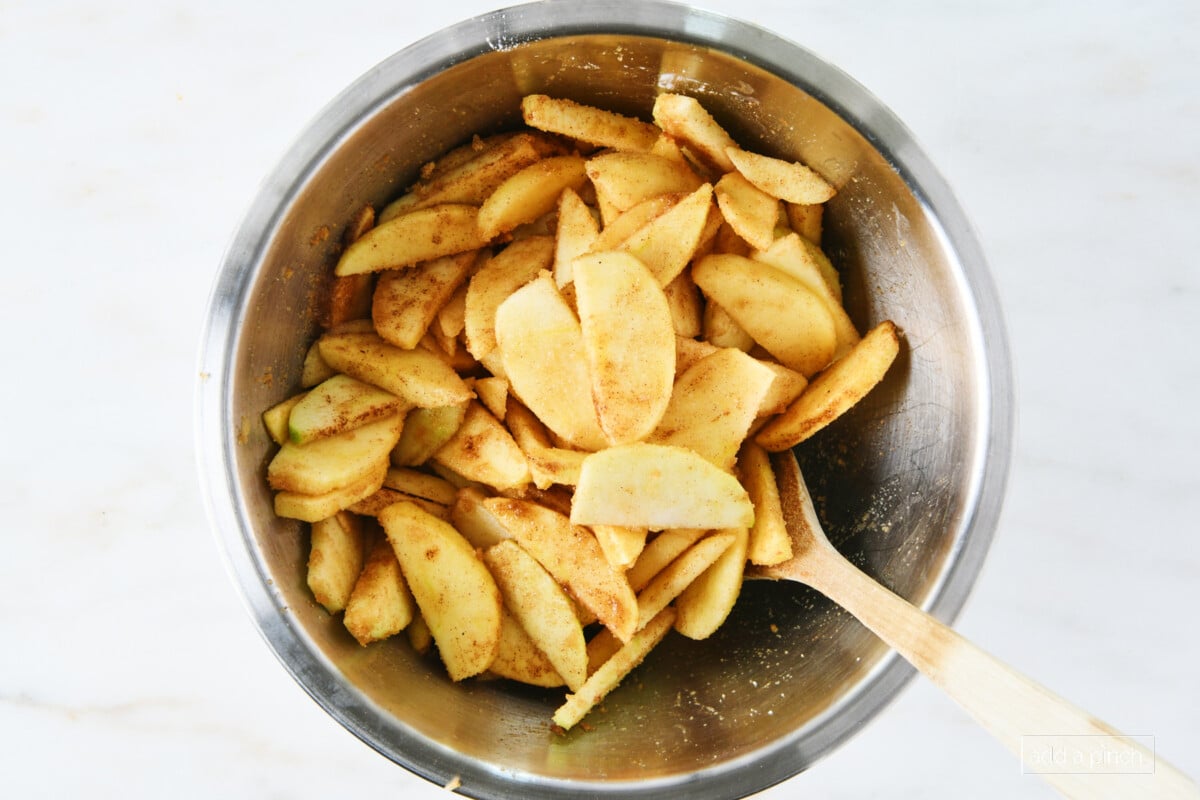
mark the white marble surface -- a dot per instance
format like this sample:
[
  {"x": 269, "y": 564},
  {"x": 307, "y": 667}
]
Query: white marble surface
[{"x": 136, "y": 133}]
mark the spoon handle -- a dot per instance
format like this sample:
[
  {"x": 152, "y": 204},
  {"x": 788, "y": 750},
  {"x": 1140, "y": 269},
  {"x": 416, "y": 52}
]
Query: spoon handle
[{"x": 1072, "y": 750}]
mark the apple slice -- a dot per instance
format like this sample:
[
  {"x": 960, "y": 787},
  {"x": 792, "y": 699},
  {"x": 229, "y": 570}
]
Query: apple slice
[
  {"x": 406, "y": 301},
  {"x": 618, "y": 230},
  {"x": 456, "y": 594},
  {"x": 626, "y": 179},
  {"x": 519, "y": 659},
  {"x": 782, "y": 314},
  {"x": 621, "y": 545},
  {"x": 629, "y": 342},
  {"x": 418, "y": 377},
  {"x": 275, "y": 418},
  {"x": 576, "y": 233},
  {"x": 338, "y": 404},
  {"x": 542, "y": 607},
  {"x": 786, "y": 180},
  {"x": 425, "y": 431},
  {"x": 667, "y": 243},
  {"x": 751, "y": 212},
  {"x": 529, "y": 194},
  {"x": 314, "y": 507},
  {"x": 685, "y": 119},
  {"x": 472, "y": 519},
  {"x": 472, "y": 172},
  {"x": 683, "y": 571},
  {"x": 507, "y": 271},
  {"x": 659, "y": 552},
  {"x": 834, "y": 391},
  {"x": 705, "y": 603},
  {"x": 712, "y": 406},
  {"x": 795, "y": 256},
  {"x": 483, "y": 450},
  {"x": 333, "y": 462},
  {"x": 572, "y": 555},
  {"x": 335, "y": 559},
  {"x": 658, "y": 486},
  {"x": 769, "y": 540},
  {"x": 542, "y": 352},
  {"x": 614, "y": 670},
  {"x": 586, "y": 123},
  {"x": 421, "y": 235},
  {"x": 380, "y": 604}
]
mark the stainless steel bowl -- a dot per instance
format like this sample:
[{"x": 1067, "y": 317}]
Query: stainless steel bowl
[{"x": 909, "y": 484}]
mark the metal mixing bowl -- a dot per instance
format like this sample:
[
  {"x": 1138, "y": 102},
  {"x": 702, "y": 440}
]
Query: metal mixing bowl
[{"x": 909, "y": 484}]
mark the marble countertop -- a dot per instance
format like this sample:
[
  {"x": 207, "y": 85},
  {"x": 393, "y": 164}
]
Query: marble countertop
[{"x": 135, "y": 134}]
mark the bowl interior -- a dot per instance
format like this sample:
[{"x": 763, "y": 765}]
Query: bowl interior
[{"x": 898, "y": 482}]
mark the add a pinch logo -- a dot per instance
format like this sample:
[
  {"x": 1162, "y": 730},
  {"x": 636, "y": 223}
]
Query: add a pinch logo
[{"x": 1096, "y": 755}]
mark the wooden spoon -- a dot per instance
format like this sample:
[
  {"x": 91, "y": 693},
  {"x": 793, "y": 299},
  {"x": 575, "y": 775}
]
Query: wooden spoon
[{"x": 1015, "y": 709}]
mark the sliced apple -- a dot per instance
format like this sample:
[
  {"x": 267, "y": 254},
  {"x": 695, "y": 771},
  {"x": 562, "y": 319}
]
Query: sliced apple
[
  {"x": 421, "y": 235},
  {"x": 418, "y": 377},
  {"x": 751, "y": 212},
  {"x": 519, "y": 659},
  {"x": 335, "y": 559},
  {"x": 380, "y": 604},
  {"x": 721, "y": 330},
  {"x": 457, "y": 596},
  {"x": 712, "y": 406},
  {"x": 338, "y": 404},
  {"x": 421, "y": 484},
  {"x": 782, "y": 314},
  {"x": 705, "y": 603},
  {"x": 314, "y": 370},
  {"x": 548, "y": 464},
  {"x": 769, "y": 540},
  {"x": 529, "y": 194},
  {"x": 471, "y": 173},
  {"x": 425, "y": 431},
  {"x": 275, "y": 418},
  {"x": 573, "y": 556},
  {"x": 684, "y": 118},
  {"x": 668, "y": 242},
  {"x": 336, "y": 461},
  {"x": 617, "y": 230},
  {"x": 629, "y": 343},
  {"x": 613, "y": 671},
  {"x": 474, "y": 521},
  {"x": 806, "y": 220},
  {"x": 407, "y": 301},
  {"x": 626, "y": 179},
  {"x": 658, "y": 486},
  {"x": 660, "y": 551},
  {"x": 834, "y": 391},
  {"x": 314, "y": 507},
  {"x": 793, "y": 255},
  {"x": 493, "y": 393},
  {"x": 542, "y": 607},
  {"x": 786, "y": 180},
  {"x": 586, "y": 123},
  {"x": 507, "y": 271},
  {"x": 384, "y": 497},
  {"x": 621, "y": 545},
  {"x": 483, "y": 450},
  {"x": 542, "y": 351},
  {"x": 576, "y": 233},
  {"x": 683, "y": 298},
  {"x": 682, "y": 572}
]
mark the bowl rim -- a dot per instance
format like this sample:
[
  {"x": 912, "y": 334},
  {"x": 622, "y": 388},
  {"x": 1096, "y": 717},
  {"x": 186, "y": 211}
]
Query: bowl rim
[{"x": 502, "y": 29}]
